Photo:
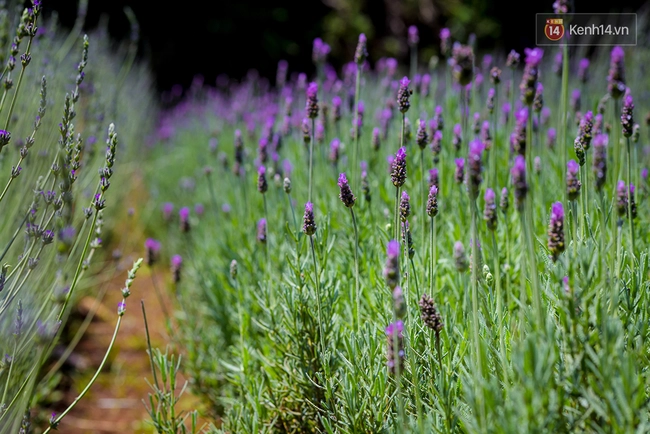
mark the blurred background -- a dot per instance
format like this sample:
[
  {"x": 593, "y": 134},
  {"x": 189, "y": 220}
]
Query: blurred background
[{"x": 232, "y": 37}]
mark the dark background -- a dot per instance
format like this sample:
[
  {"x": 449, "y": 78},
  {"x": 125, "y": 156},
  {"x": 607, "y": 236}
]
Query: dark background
[{"x": 208, "y": 38}]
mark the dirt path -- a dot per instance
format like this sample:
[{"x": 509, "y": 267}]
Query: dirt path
[{"x": 115, "y": 401}]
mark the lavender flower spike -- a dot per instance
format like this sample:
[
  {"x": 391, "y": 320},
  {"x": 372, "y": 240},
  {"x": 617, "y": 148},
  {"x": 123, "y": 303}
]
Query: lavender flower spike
[
  {"x": 398, "y": 168},
  {"x": 361, "y": 52},
  {"x": 404, "y": 207},
  {"x": 459, "y": 174},
  {"x": 403, "y": 95},
  {"x": 309, "y": 225},
  {"x": 573, "y": 184},
  {"x": 616, "y": 75},
  {"x": 421, "y": 137},
  {"x": 312, "y": 101},
  {"x": 262, "y": 185},
  {"x": 184, "y": 214},
  {"x": 176, "y": 264},
  {"x": 413, "y": 36},
  {"x": 627, "y": 119},
  {"x": 346, "y": 195},
  {"x": 556, "y": 231},
  {"x": 395, "y": 333},
  {"x": 432, "y": 202},
  {"x": 621, "y": 199},
  {"x": 518, "y": 173},
  {"x": 429, "y": 314},
  {"x": 391, "y": 270},
  {"x": 490, "y": 211},
  {"x": 261, "y": 231},
  {"x": 600, "y": 160},
  {"x": 474, "y": 176}
]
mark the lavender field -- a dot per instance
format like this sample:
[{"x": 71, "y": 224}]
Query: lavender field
[{"x": 454, "y": 244}]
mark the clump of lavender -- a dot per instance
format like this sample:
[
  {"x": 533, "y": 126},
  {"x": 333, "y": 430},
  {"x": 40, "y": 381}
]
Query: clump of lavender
[
  {"x": 345, "y": 194},
  {"x": 429, "y": 314},
  {"x": 404, "y": 94},
  {"x": 176, "y": 264},
  {"x": 421, "y": 136},
  {"x": 600, "y": 161},
  {"x": 459, "y": 173},
  {"x": 490, "y": 210},
  {"x": 529, "y": 79},
  {"x": 627, "y": 118},
  {"x": 616, "y": 76},
  {"x": 621, "y": 199},
  {"x": 457, "y": 139},
  {"x": 391, "y": 270},
  {"x": 261, "y": 231},
  {"x": 404, "y": 207},
  {"x": 395, "y": 333},
  {"x": 463, "y": 64},
  {"x": 460, "y": 257},
  {"x": 518, "y": 173},
  {"x": 474, "y": 162},
  {"x": 398, "y": 168},
  {"x": 556, "y": 231},
  {"x": 573, "y": 184}
]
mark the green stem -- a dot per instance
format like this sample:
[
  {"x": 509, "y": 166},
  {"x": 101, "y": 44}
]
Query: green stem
[
  {"x": 563, "y": 114},
  {"x": 396, "y": 230},
  {"x": 499, "y": 295},
  {"x": 318, "y": 296},
  {"x": 311, "y": 155},
  {"x": 357, "y": 91},
  {"x": 356, "y": 272},
  {"x": 629, "y": 197},
  {"x": 432, "y": 240}
]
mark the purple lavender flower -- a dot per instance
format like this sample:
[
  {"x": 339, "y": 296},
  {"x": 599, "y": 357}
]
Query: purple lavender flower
[
  {"x": 404, "y": 94},
  {"x": 560, "y": 7},
  {"x": 391, "y": 270},
  {"x": 312, "y": 101},
  {"x": 495, "y": 75},
  {"x": 336, "y": 108},
  {"x": 404, "y": 206},
  {"x": 573, "y": 184},
  {"x": 320, "y": 51},
  {"x": 474, "y": 162},
  {"x": 432, "y": 202},
  {"x": 199, "y": 209},
  {"x": 537, "y": 165},
  {"x": 457, "y": 139},
  {"x": 538, "y": 100},
  {"x": 176, "y": 264},
  {"x": 551, "y": 136},
  {"x": 361, "y": 52},
  {"x": 518, "y": 137},
  {"x": 633, "y": 212},
  {"x": 121, "y": 308},
  {"x": 167, "y": 210},
  {"x": 421, "y": 136},
  {"x": 398, "y": 168},
  {"x": 262, "y": 185},
  {"x": 376, "y": 140},
  {"x": 436, "y": 146},
  {"x": 445, "y": 39},
  {"x": 476, "y": 124},
  {"x": 335, "y": 146},
  {"x": 513, "y": 59},
  {"x": 529, "y": 79},
  {"x": 621, "y": 199},
  {"x": 151, "y": 248},
  {"x": 438, "y": 120},
  {"x": 627, "y": 119},
  {"x": 395, "y": 333},
  {"x": 309, "y": 224},
  {"x": 345, "y": 194},
  {"x": 306, "y": 131},
  {"x": 490, "y": 210},
  {"x": 184, "y": 215},
  {"x": 460, "y": 257},
  {"x": 413, "y": 38},
  {"x": 583, "y": 70},
  {"x": 463, "y": 69},
  {"x": 504, "y": 203},
  {"x": 518, "y": 173},
  {"x": 261, "y": 231},
  {"x": 616, "y": 76},
  {"x": 490, "y": 100},
  {"x": 556, "y": 231},
  {"x": 644, "y": 174},
  {"x": 433, "y": 177},
  {"x": 505, "y": 110},
  {"x": 429, "y": 314},
  {"x": 575, "y": 100},
  {"x": 600, "y": 160},
  {"x": 459, "y": 174},
  {"x": 486, "y": 137}
]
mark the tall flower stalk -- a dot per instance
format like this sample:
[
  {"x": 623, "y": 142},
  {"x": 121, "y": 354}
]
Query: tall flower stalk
[
  {"x": 312, "y": 113},
  {"x": 360, "y": 56},
  {"x": 348, "y": 200},
  {"x": 627, "y": 123}
]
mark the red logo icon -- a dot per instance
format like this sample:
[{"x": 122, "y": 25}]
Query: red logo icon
[{"x": 554, "y": 29}]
